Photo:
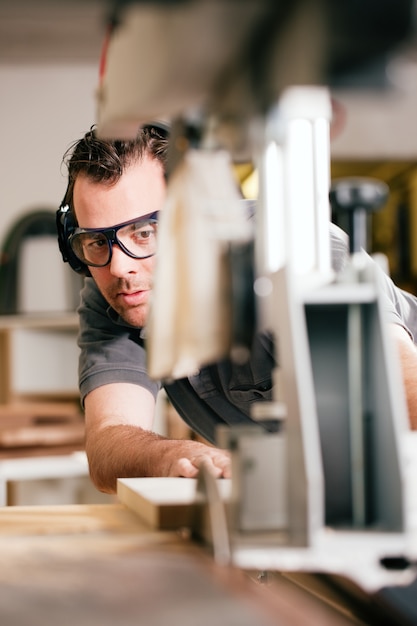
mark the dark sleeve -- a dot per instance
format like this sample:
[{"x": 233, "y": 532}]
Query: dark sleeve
[{"x": 110, "y": 352}]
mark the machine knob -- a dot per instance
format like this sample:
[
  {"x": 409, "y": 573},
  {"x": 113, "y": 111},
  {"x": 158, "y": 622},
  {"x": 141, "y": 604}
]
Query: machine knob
[{"x": 356, "y": 198}]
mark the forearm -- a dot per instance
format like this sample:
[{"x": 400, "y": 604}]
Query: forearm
[
  {"x": 126, "y": 451},
  {"x": 121, "y": 451}
]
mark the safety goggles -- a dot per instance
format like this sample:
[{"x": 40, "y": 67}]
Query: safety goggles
[{"x": 137, "y": 239}]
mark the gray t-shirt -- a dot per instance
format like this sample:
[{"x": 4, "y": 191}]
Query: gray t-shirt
[{"x": 112, "y": 352}]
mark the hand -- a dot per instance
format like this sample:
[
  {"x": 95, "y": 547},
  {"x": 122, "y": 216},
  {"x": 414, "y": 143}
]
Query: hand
[{"x": 192, "y": 455}]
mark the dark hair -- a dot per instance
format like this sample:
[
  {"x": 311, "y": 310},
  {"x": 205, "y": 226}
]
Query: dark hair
[{"x": 104, "y": 161}]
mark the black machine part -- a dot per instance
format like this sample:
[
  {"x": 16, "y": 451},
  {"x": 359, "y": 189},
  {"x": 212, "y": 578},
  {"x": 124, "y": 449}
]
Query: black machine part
[{"x": 355, "y": 199}]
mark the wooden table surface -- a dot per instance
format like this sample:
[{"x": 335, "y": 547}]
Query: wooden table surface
[{"x": 80, "y": 565}]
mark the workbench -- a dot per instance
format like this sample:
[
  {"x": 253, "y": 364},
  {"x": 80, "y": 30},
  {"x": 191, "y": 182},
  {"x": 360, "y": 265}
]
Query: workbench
[{"x": 100, "y": 565}]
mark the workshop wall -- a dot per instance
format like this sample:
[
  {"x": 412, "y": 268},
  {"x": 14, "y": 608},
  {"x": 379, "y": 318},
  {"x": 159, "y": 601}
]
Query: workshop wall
[{"x": 43, "y": 109}]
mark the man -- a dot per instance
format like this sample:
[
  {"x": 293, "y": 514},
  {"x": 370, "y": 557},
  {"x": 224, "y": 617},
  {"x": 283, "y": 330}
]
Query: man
[
  {"x": 107, "y": 229},
  {"x": 108, "y": 185}
]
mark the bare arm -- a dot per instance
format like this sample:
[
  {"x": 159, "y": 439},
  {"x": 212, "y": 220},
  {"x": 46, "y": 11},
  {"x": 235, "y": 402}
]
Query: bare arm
[
  {"x": 408, "y": 360},
  {"x": 120, "y": 443}
]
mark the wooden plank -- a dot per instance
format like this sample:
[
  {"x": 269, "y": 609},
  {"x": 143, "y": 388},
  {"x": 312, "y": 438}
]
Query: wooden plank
[
  {"x": 72, "y": 519},
  {"x": 66, "y": 321},
  {"x": 99, "y": 565},
  {"x": 40, "y": 411},
  {"x": 164, "y": 503},
  {"x": 37, "y": 451},
  {"x": 161, "y": 502},
  {"x": 25, "y": 425},
  {"x": 45, "y": 435},
  {"x": 159, "y": 587}
]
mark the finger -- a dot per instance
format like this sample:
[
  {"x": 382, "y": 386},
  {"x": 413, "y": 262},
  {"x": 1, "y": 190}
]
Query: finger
[
  {"x": 214, "y": 464},
  {"x": 185, "y": 468},
  {"x": 223, "y": 463}
]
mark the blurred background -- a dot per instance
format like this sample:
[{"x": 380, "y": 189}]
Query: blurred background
[
  {"x": 49, "y": 64},
  {"x": 49, "y": 71}
]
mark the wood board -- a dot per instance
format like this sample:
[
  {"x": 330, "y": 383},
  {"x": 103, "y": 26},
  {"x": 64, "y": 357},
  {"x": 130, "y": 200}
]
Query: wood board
[{"x": 165, "y": 503}]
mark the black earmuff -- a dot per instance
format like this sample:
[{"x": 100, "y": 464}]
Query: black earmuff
[{"x": 65, "y": 225}]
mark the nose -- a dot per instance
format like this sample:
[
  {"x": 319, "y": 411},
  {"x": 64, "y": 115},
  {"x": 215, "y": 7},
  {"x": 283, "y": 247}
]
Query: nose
[{"x": 121, "y": 264}]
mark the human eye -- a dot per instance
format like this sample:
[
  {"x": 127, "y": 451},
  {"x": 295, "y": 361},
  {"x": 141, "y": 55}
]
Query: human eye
[
  {"x": 94, "y": 242},
  {"x": 142, "y": 233},
  {"x": 139, "y": 238},
  {"x": 91, "y": 247}
]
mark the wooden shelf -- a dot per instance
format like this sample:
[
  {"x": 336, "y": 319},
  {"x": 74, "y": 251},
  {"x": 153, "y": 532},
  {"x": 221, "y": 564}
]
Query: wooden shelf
[
  {"x": 38, "y": 356},
  {"x": 39, "y": 320}
]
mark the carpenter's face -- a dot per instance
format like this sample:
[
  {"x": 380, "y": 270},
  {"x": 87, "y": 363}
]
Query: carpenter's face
[{"x": 125, "y": 282}]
